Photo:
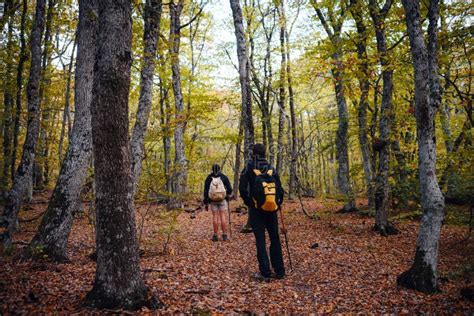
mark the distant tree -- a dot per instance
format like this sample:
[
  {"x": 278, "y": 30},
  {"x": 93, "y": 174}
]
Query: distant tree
[
  {"x": 19, "y": 85},
  {"x": 152, "y": 18},
  {"x": 24, "y": 173},
  {"x": 363, "y": 76},
  {"x": 333, "y": 27}
]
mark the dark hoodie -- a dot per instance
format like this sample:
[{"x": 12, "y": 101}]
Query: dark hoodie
[{"x": 247, "y": 179}]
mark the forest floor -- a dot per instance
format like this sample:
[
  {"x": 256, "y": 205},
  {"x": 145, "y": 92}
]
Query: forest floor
[{"x": 352, "y": 269}]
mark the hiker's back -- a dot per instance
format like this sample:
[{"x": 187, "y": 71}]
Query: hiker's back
[{"x": 263, "y": 186}]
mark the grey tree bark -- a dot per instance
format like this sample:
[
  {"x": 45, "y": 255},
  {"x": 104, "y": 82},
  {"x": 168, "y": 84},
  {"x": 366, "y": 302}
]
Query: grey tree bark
[
  {"x": 423, "y": 274},
  {"x": 41, "y": 178},
  {"x": 291, "y": 100},
  {"x": 382, "y": 186},
  {"x": 150, "y": 38},
  {"x": 281, "y": 89},
  {"x": 118, "y": 283},
  {"x": 244, "y": 76},
  {"x": 238, "y": 149},
  {"x": 55, "y": 227},
  {"x": 263, "y": 85},
  {"x": 24, "y": 173},
  {"x": 180, "y": 161},
  {"x": 66, "y": 120},
  {"x": 19, "y": 85},
  {"x": 165, "y": 119},
  {"x": 333, "y": 31},
  {"x": 363, "y": 78}
]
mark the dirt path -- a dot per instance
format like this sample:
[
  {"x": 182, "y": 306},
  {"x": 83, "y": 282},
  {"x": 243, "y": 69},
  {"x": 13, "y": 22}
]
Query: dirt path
[{"x": 351, "y": 270}]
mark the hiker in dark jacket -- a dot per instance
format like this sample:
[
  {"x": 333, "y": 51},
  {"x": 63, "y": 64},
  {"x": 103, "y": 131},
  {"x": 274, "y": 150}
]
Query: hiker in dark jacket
[
  {"x": 217, "y": 192},
  {"x": 261, "y": 220}
]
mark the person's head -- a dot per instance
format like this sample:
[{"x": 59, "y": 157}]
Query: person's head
[
  {"x": 216, "y": 168},
  {"x": 258, "y": 150}
]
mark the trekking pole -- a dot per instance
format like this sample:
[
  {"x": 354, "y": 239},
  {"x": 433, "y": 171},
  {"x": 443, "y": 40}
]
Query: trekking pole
[
  {"x": 286, "y": 238},
  {"x": 230, "y": 222}
]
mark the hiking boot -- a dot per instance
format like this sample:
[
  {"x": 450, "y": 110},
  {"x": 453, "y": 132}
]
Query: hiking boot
[
  {"x": 246, "y": 229},
  {"x": 214, "y": 238},
  {"x": 224, "y": 237},
  {"x": 261, "y": 278},
  {"x": 279, "y": 276}
]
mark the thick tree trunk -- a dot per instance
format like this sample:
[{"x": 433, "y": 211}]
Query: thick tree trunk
[
  {"x": 363, "y": 78},
  {"x": 19, "y": 85},
  {"x": 423, "y": 274},
  {"x": 24, "y": 173},
  {"x": 382, "y": 186},
  {"x": 180, "y": 161},
  {"x": 118, "y": 283},
  {"x": 244, "y": 75},
  {"x": 7, "y": 111},
  {"x": 56, "y": 224},
  {"x": 150, "y": 39}
]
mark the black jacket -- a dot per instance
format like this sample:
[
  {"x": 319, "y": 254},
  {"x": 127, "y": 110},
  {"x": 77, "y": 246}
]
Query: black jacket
[
  {"x": 247, "y": 179},
  {"x": 207, "y": 184}
]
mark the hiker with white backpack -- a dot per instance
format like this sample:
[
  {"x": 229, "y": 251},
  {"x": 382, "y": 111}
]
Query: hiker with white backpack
[{"x": 217, "y": 192}]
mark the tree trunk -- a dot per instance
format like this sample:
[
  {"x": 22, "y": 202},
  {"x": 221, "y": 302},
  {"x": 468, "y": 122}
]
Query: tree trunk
[
  {"x": 41, "y": 158},
  {"x": 66, "y": 113},
  {"x": 238, "y": 149},
  {"x": 118, "y": 283},
  {"x": 56, "y": 224},
  {"x": 180, "y": 166},
  {"x": 24, "y": 173},
  {"x": 7, "y": 111},
  {"x": 19, "y": 86},
  {"x": 423, "y": 274},
  {"x": 281, "y": 92},
  {"x": 342, "y": 155},
  {"x": 363, "y": 78},
  {"x": 382, "y": 186},
  {"x": 291, "y": 100},
  {"x": 150, "y": 39},
  {"x": 244, "y": 75}
]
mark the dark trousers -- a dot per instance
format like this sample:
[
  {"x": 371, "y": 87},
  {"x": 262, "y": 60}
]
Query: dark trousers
[{"x": 261, "y": 221}]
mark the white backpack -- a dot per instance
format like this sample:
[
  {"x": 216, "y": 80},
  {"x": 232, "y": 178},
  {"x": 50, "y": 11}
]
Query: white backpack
[{"x": 217, "y": 190}]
